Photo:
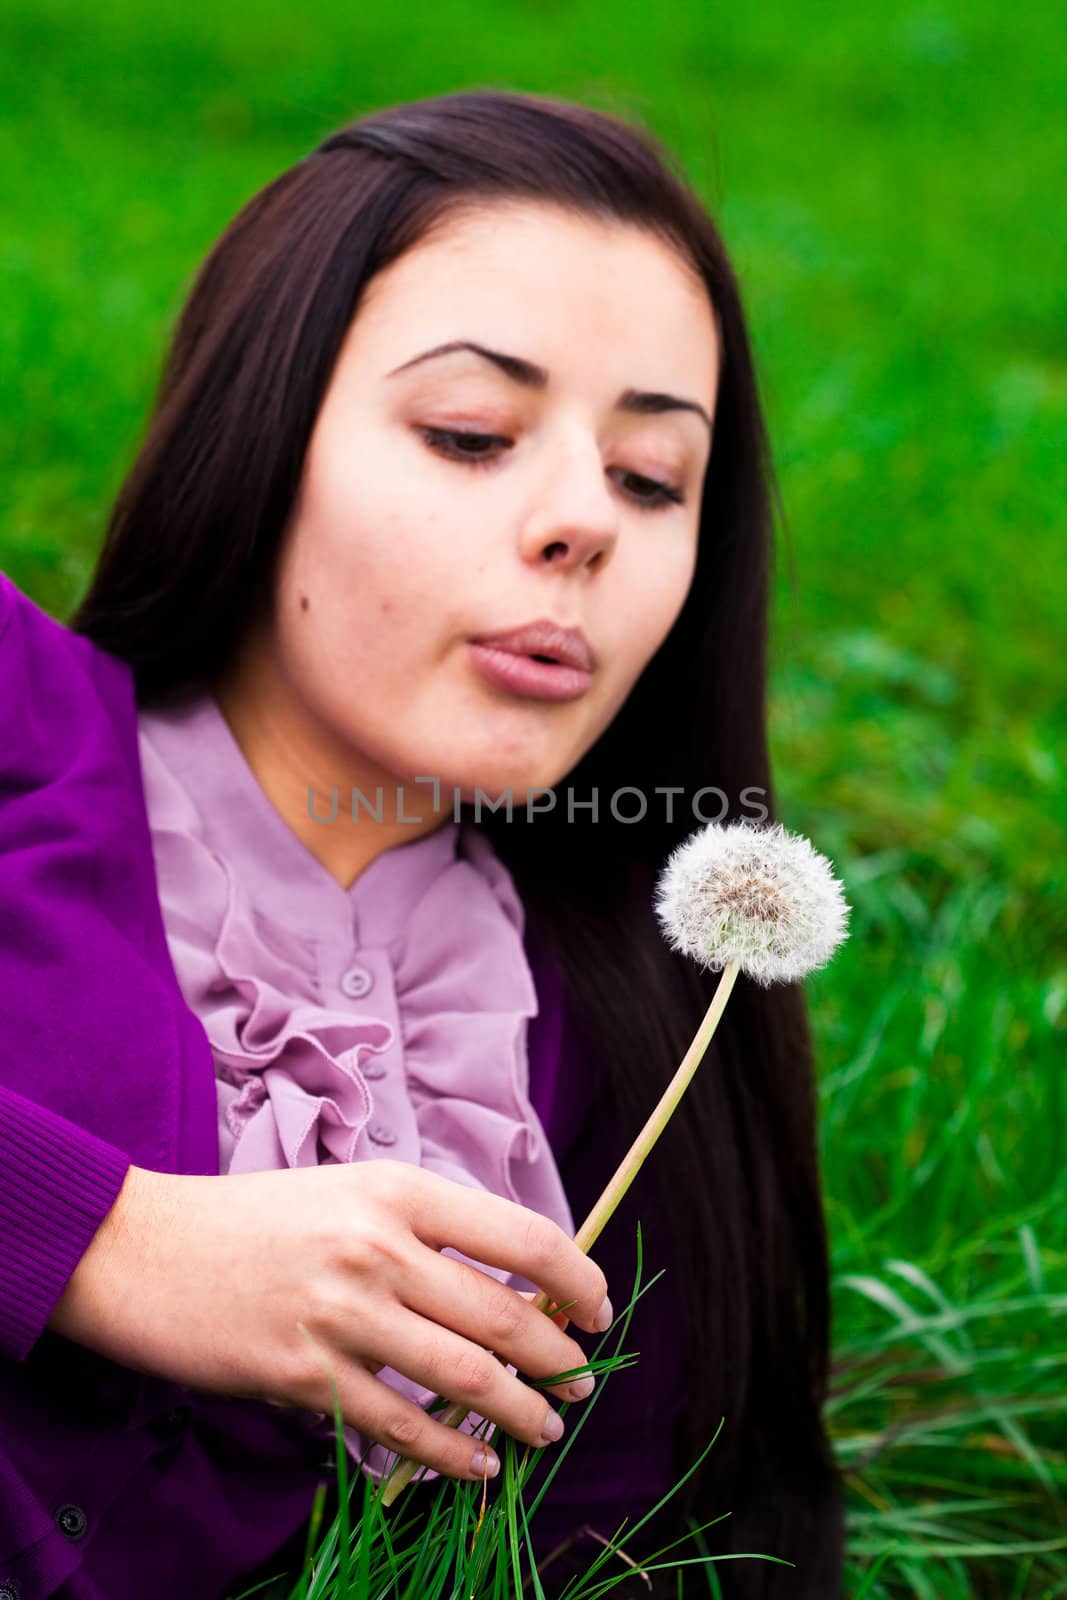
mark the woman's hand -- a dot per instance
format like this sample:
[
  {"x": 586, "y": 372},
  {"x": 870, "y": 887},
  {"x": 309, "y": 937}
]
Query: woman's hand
[{"x": 203, "y": 1280}]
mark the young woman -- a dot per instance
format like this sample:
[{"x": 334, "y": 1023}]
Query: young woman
[{"x": 476, "y": 364}]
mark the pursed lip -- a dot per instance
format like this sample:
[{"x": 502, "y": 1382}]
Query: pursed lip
[{"x": 568, "y": 646}]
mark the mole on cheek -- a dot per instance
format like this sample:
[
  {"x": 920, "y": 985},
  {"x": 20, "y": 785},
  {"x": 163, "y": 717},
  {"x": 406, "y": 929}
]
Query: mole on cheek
[{"x": 303, "y": 602}]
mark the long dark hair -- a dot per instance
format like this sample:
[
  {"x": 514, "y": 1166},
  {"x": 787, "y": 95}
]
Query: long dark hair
[{"x": 189, "y": 560}]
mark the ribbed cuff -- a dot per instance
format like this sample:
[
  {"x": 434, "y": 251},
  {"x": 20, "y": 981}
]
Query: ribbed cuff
[{"x": 57, "y": 1184}]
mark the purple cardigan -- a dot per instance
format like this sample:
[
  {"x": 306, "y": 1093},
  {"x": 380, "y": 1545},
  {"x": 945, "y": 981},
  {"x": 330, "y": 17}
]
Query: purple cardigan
[{"x": 113, "y": 1483}]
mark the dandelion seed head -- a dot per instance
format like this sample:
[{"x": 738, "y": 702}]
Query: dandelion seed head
[{"x": 754, "y": 894}]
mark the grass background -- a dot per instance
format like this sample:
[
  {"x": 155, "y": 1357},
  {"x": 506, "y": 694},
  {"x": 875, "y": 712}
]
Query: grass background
[{"x": 889, "y": 180}]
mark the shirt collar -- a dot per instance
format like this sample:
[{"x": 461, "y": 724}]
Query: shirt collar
[{"x": 280, "y": 873}]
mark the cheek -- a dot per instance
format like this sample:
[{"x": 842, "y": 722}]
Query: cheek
[
  {"x": 655, "y": 604},
  {"x": 658, "y": 597},
  {"x": 336, "y": 574},
  {"x": 369, "y": 523},
  {"x": 353, "y": 606}
]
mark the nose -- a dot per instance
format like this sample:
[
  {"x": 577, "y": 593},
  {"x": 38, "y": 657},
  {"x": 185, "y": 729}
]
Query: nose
[{"x": 575, "y": 521}]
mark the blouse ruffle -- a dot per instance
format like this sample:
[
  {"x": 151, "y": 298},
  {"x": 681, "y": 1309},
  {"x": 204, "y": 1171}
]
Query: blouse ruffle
[{"x": 306, "y": 1075}]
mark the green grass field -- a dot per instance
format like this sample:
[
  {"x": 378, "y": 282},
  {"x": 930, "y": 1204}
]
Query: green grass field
[{"x": 889, "y": 181}]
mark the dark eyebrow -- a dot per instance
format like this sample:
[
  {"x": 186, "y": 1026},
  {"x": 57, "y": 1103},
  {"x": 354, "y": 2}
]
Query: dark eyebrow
[{"x": 637, "y": 401}]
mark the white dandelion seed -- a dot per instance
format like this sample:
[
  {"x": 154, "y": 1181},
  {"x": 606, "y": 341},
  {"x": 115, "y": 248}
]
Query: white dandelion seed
[{"x": 753, "y": 895}]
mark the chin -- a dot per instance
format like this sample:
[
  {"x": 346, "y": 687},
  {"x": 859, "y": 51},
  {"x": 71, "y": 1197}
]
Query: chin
[{"x": 492, "y": 782}]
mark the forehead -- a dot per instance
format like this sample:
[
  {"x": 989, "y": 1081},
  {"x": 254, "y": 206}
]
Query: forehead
[{"x": 579, "y": 294}]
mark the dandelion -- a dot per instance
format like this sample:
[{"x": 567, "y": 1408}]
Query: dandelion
[
  {"x": 739, "y": 897},
  {"x": 736, "y": 898},
  {"x": 759, "y": 897}
]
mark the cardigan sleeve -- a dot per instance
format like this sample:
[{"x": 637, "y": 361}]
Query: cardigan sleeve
[
  {"x": 59, "y": 1178},
  {"x": 90, "y": 1036},
  {"x": 60, "y": 1182}
]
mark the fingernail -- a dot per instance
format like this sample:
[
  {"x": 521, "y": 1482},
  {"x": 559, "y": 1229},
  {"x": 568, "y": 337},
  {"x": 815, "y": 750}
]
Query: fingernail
[
  {"x": 485, "y": 1463},
  {"x": 553, "y": 1428},
  {"x": 581, "y": 1388},
  {"x": 604, "y": 1317}
]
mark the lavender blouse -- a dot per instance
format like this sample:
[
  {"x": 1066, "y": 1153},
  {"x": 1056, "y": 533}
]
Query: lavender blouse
[{"x": 388, "y": 1019}]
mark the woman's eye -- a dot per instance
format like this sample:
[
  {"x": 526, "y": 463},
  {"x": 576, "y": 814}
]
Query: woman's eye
[
  {"x": 477, "y": 449},
  {"x": 654, "y": 493},
  {"x": 461, "y": 446}
]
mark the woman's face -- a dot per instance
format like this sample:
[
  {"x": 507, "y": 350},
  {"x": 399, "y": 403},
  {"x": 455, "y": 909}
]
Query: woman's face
[{"x": 567, "y": 502}]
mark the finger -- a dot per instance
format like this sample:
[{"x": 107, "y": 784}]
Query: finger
[
  {"x": 489, "y": 1228},
  {"x": 565, "y": 1391},
  {"x": 475, "y": 1306},
  {"x": 560, "y": 1318},
  {"x": 387, "y": 1418},
  {"x": 462, "y": 1370}
]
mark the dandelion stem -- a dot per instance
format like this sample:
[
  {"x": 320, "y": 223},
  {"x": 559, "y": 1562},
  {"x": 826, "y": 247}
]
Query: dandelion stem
[
  {"x": 625, "y": 1173},
  {"x": 634, "y": 1159}
]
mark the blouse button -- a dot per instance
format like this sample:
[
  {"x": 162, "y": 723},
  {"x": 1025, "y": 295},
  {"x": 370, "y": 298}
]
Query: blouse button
[
  {"x": 381, "y": 1135},
  {"x": 72, "y": 1521},
  {"x": 373, "y": 1069},
  {"x": 356, "y": 982}
]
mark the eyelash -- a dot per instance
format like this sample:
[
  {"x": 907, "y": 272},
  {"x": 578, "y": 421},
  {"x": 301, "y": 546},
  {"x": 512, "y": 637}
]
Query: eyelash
[{"x": 666, "y": 493}]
